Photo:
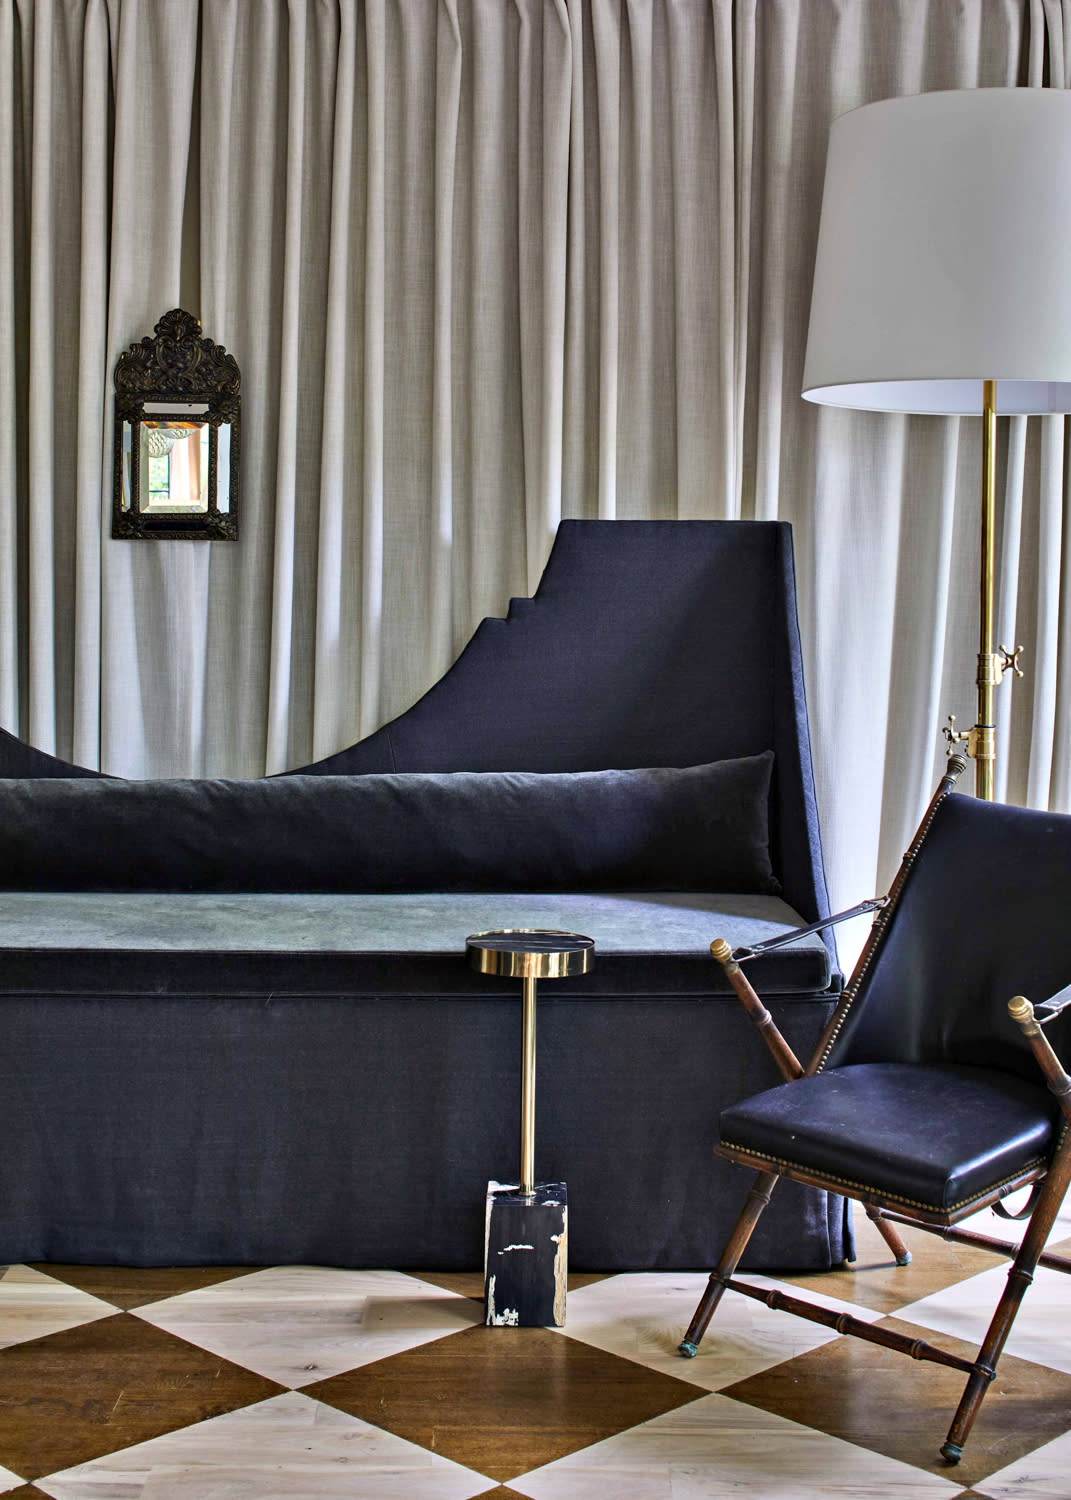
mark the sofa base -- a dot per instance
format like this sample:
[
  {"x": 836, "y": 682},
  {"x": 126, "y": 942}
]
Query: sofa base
[
  {"x": 278, "y": 1128},
  {"x": 257, "y": 1081}
]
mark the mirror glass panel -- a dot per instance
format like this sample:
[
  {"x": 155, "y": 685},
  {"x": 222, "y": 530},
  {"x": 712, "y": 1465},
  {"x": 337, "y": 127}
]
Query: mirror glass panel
[
  {"x": 223, "y": 467},
  {"x": 125, "y": 450},
  {"x": 174, "y": 457},
  {"x": 176, "y": 461}
]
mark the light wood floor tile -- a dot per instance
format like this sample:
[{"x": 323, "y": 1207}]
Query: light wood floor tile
[
  {"x": 33, "y": 1304},
  {"x": 643, "y": 1316},
  {"x": 1044, "y": 1474},
  {"x": 718, "y": 1449},
  {"x": 297, "y": 1324},
  {"x": 288, "y": 1448},
  {"x": 1042, "y": 1329}
]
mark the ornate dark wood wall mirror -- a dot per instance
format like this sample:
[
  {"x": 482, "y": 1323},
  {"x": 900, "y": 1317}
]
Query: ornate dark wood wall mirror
[{"x": 177, "y": 436}]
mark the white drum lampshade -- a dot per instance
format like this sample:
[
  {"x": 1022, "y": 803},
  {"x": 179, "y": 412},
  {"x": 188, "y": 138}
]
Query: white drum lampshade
[
  {"x": 943, "y": 285},
  {"x": 944, "y": 255}
]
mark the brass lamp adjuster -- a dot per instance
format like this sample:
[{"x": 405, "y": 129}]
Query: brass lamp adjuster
[
  {"x": 980, "y": 741},
  {"x": 992, "y": 665}
]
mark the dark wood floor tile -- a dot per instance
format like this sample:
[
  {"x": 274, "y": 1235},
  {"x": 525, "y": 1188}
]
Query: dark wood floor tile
[
  {"x": 86, "y": 1391},
  {"x": 470, "y": 1283},
  {"x": 500, "y": 1492},
  {"x": 26, "y": 1492},
  {"x": 890, "y": 1404},
  {"x": 505, "y": 1400},
  {"x": 136, "y": 1286},
  {"x": 874, "y": 1279}
]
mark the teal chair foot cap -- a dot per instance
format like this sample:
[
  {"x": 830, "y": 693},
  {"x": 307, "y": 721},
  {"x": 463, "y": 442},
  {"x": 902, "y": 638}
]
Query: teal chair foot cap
[
  {"x": 905, "y": 1259},
  {"x": 687, "y": 1349},
  {"x": 952, "y": 1453}
]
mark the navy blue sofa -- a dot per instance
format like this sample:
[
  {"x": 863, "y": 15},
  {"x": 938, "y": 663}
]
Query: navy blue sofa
[{"x": 236, "y": 1061}]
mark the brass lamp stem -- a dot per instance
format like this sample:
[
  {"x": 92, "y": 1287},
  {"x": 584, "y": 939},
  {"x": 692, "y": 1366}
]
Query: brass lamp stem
[
  {"x": 983, "y": 748},
  {"x": 992, "y": 665},
  {"x": 528, "y": 1083}
]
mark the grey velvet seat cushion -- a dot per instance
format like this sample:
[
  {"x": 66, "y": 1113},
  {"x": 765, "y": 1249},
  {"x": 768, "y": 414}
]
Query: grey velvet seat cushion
[{"x": 645, "y": 942}]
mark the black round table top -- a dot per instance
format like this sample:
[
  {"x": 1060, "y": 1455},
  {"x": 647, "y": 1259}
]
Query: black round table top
[{"x": 530, "y": 953}]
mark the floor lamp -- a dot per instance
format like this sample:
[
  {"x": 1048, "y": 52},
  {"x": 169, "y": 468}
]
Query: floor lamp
[{"x": 943, "y": 285}]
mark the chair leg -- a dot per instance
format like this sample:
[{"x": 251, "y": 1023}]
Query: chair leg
[
  {"x": 1020, "y": 1276},
  {"x": 890, "y": 1234},
  {"x": 757, "y": 1199}
]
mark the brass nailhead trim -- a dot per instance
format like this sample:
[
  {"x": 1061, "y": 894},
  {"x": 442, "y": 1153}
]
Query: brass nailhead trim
[
  {"x": 881, "y": 922},
  {"x": 779, "y": 1161}
]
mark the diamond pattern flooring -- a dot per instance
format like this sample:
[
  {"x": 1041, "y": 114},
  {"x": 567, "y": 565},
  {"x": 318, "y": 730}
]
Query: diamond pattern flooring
[{"x": 300, "y": 1383}]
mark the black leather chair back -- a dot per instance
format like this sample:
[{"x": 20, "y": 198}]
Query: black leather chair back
[{"x": 985, "y": 915}]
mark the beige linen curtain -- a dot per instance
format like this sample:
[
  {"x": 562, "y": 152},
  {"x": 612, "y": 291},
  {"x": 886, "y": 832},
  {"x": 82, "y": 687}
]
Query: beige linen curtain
[{"x": 484, "y": 264}]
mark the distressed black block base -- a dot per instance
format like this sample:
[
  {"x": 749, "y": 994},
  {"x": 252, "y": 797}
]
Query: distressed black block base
[{"x": 525, "y": 1256}]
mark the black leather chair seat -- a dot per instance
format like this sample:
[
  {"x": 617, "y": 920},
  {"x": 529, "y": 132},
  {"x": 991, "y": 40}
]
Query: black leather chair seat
[{"x": 934, "y": 1135}]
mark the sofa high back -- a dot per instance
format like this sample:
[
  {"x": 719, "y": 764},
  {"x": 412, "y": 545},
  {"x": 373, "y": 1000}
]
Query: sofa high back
[{"x": 647, "y": 643}]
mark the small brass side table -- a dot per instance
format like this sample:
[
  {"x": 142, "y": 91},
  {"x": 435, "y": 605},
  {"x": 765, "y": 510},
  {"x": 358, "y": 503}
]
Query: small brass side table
[{"x": 526, "y": 1225}]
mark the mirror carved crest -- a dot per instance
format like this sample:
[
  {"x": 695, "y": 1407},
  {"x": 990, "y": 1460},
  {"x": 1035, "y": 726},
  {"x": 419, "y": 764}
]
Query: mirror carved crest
[{"x": 177, "y": 436}]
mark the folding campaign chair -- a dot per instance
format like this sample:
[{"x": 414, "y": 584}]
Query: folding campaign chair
[{"x": 922, "y": 1100}]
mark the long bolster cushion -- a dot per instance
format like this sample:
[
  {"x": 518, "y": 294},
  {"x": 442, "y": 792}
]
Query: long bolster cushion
[{"x": 698, "y": 828}]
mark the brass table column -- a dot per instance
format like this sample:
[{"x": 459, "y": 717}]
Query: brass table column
[
  {"x": 528, "y": 1083},
  {"x": 525, "y": 1247}
]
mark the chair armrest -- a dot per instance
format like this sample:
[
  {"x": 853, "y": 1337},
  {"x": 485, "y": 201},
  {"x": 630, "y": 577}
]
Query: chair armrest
[
  {"x": 786, "y": 1060},
  {"x": 875, "y": 903},
  {"x": 1022, "y": 1013},
  {"x": 1054, "y": 1005}
]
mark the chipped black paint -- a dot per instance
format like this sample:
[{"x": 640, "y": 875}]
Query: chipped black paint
[{"x": 526, "y": 1256}]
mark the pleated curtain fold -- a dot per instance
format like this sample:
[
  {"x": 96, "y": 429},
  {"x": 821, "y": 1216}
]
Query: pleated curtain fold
[{"x": 485, "y": 265}]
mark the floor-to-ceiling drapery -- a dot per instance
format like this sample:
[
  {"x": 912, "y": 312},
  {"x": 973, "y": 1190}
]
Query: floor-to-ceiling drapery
[{"x": 484, "y": 264}]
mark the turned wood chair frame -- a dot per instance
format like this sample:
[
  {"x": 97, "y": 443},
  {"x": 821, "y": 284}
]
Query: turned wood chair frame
[{"x": 1048, "y": 1182}]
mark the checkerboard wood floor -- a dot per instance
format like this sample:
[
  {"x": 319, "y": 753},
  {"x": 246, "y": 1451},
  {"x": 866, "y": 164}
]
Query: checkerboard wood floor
[{"x": 297, "y": 1382}]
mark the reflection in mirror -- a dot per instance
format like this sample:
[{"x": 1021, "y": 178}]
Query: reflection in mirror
[
  {"x": 174, "y": 466},
  {"x": 176, "y": 460}
]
